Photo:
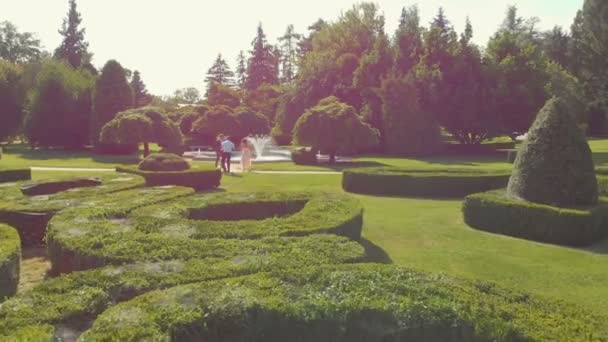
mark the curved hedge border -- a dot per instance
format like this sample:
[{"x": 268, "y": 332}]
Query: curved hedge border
[
  {"x": 85, "y": 238},
  {"x": 495, "y": 212},
  {"x": 424, "y": 183},
  {"x": 345, "y": 303},
  {"x": 15, "y": 175},
  {"x": 198, "y": 178},
  {"x": 30, "y": 214},
  {"x": 10, "y": 257},
  {"x": 253, "y": 215}
]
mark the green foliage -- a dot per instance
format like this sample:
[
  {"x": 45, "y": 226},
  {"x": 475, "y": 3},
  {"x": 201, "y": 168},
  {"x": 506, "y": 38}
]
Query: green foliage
[
  {"x": 422, "y": 183},
  {"x": 18, "y": 47},
  {"x": 73, "y": 48},
  {"x": 12, "y": 98},
  {"x": 498, "y": 213},
  {"x": 222, "y": 95},
  {"x": 334, "y": 127},
  {"x": 164, "y": 162},
  {"x": 408, "y": 130},
  {"x": 144, "y": 125},
  {"x": 560, "y": 83},
  {"x": 47, "y": 187},
  {"x": 408, "y": 40},
  {"x": 113, "y": 94},
  {"x": 303, "y": 156},
  {"x": 263, "y": 66},
  {"x": 10, "y": 257},
  {"x": 264, "y": 100},
  {"x": 554, "y": 165},
  {"x": 217, "y": 120},
  {"x": 251, "y": 122},
  {"x": 220, "y": 73},
  {"x": 289, "y": 57},
  {"x": 197, "y": 177},
  {"x": 59, "y": 107},
  {"x": 14, "y": 175},
  {"x": 594, "y": 47},
  {"x": 141, "y": 97},
  {"x": 189, "y": 95},
  {"x": 345, "y": 303}
]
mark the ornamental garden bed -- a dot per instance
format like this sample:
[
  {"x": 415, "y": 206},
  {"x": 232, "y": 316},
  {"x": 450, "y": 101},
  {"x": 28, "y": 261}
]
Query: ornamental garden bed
[{"x": 391, "y": 181}]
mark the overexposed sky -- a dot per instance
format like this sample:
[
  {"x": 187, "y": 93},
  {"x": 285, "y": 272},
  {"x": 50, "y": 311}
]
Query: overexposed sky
[{"x": 173, "y": 43}]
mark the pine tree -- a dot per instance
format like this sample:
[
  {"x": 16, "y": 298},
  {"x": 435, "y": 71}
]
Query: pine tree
[
  {"x": 289, "y": 54},
  {"x": 220, "y": 73},
  {"x": 305, "y": 44},
  {"x": 595, "y": 26},
  {"x": 73, "y": 48},
  {"x": 262, "y": 66},
  {"x": 140, "y": 93},
  {"x": 408, "y": 40},
  {"x": 555, "y": 44},
  {"x": 440, "y": 42},
  {"x": 241, "y": 70},
  {"x": 575, "y": 45}
]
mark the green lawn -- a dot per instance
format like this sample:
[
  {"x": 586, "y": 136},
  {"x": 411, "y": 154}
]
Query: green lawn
[{"x": 428, "y": 234}]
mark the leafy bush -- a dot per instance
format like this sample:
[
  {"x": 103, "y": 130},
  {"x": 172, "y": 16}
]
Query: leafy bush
[
  {"x": 199, "y": 178},
  {"x": 554, "y": 165},
  {"x": 164, "y": 162},
  {"x": 334, "y": 127},
  {"x": 345, "y": 303},
  {"x": 30, "y": 215},
  {"x": 12, "y": 98},
  {"x": 496, "y": 212},
  {"x": 52, "y": 187},
  {"x": 10, "y": 257},
  {"x": 303, "y": 156},
  {"x": 425, "y": 183},
  {"x": 14, "y": 175}
]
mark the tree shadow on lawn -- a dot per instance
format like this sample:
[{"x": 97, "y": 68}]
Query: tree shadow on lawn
[
  {"x": 598, "y": 248},
  {"x": 342, "y": 165},
  {"x": 25, "y": 152},
  {"x": 374, "y": 253},
  {"x": 600, "y": 159}
]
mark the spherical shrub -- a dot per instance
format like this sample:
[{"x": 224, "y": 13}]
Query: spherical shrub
[
  {"x": 554, "y": 166},
  {"x": 164, "y": 162}
]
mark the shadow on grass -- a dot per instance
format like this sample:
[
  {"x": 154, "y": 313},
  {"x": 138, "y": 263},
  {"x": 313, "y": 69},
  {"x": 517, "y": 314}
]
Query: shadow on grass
[
  {"x": 375, "y": 253},
  {"x": 342, "y": 165},
  {"x": 25, "y": 152}
]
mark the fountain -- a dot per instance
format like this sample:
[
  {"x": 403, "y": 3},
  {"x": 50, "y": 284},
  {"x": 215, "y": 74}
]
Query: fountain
[
  {"x": 265, "y": 151},
  {"x": 260, "y": 144}
]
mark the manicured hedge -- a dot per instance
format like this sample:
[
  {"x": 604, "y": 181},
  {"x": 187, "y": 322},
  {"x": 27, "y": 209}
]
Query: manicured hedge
[
  {"x": 85, "y": 238},
  {"x": 495, "y": 212},
  {"x": 304, "y": 156},
  {"x": 49, "y": 187},
  {"x": 486, "y": 149},
  {"x": 10, "y": 257},
  {"x": 198, "y": 177},
  {"x": 393, "y": 181},
  {"x": 15, "y": 175},
  {"x": 82, "y": 296},
  {"x": 164, "y": 162},
  {"x": 30, "y": 214},
  {"x": 254, "y": 215},
  {"x": 370, "y": 303}
]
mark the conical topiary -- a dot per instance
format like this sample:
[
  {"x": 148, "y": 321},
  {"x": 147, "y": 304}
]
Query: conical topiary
[{"x": 554, "y": 165}]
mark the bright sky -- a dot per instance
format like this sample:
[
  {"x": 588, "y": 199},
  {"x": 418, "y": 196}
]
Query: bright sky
[{"x": 173, "y": 43}]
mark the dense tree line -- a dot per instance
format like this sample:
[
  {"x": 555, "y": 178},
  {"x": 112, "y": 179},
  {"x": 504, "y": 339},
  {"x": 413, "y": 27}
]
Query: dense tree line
[{"x": 406, "y": 85}]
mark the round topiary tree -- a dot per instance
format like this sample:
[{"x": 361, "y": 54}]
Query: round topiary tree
[
  {"x": 164, "y": 162},
  {"x": 554, "y": 166}
]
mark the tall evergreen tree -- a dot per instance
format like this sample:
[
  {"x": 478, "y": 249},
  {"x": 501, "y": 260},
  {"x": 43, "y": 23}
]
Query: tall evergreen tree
[
  {"x": 575, "y": 45},
  {"x": 262, "y": 66},
  {"x": 305, "y": 44},
  {"x": 555, "y": 45},
  {"x": 112, "y": 95},
  {"x": 241, "y": 70},
  {"x": 289, "y": 54},
  {"x": 595, "y": 26},
  {"x": 440, "y": 42},
  {"x": 73, "y": 48},
  {"x": 408, "y": 40},
  {"x": 141, "y": 97},
  {"x": 220, "y": 73}
]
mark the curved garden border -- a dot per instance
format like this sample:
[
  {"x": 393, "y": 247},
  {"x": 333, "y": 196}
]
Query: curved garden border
[
  {"x": 15, "y": 175},
  {"x": 10, "y": 257},
  {"x": 393, "y": 181},
  {"x": 198, "y": 178},
  {"x": 495, "y": 212}
]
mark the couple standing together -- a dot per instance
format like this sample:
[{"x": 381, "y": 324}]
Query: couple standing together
[{"x": 223, "y": 152}]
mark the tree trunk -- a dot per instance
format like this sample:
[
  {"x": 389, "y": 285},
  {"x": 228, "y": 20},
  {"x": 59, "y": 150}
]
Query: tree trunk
[{"x": 146, "y": 150}]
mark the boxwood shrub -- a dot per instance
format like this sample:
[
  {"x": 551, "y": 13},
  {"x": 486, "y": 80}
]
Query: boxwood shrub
[
  {"x": 303, "y": 156},
  {"x": 495, "y": 212},
  {"x": 30, "y": 214},
  {"x": 393, "y": 181},
  {"x": 10, "y": 257},
  {"x": 49, "y": 187},
  {"x": 164, "y": 162},
  {"x": 85, "y": 238},
  {"x": 15, "y": 175},
  {"x": 198, "y": 177},
  {"x": 367, "y": 302}
]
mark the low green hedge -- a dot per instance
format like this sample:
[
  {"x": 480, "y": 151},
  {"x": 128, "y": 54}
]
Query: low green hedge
[
  {"x": 15, "y": 175},
  {"x": 393, "y": 181},
  {"x": 30, "y": 214},
  {"x": 10, "y": 257},
  {"x": 81, "y": 296},
  {"x": 495, "y": 212},
  {"x": 49, "y": 187},
  {"x": 304, "y": 156},
  {"x": 85, "y": 238},
  {"x": 370, "y": 303},
  {"x": 198, "y": 177},
  {"x": 485, "y": 149},
  {"x": 253, "y": 215},
  {"x": 164, "y": 162}
]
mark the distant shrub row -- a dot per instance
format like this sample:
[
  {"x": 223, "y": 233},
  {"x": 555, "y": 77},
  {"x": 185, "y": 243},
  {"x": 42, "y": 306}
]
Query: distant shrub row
[{"x": 15, "y": 175}]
